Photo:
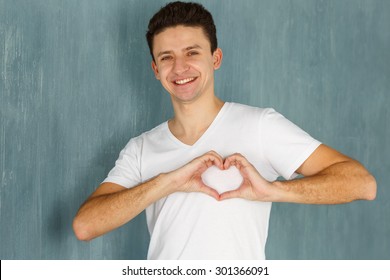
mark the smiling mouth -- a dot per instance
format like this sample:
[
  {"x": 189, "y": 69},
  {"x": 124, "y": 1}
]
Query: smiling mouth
[{"x": 184, "y": 81}]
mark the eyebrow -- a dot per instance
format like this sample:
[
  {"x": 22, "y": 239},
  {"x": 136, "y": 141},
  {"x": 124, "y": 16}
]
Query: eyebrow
[
  {"x": 196, "y": 46},
  {"x": 193, "y": 47}
]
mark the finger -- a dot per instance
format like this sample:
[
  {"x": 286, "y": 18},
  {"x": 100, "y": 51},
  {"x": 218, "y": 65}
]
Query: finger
[
  {"x": 206, "y": 160},
  {"x": 233, "y": 160},
  {"x": 218, "y": 159},
  {"x": 210, "y": 191},
  {"x": 213, "y": 158},
  {"x": 230, "y": 194},
  {"x": 236, "y": 160}
]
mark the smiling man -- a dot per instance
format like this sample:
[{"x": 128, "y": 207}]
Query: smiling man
[
  {"x": 185, "y": 65},
  {"x": 208, "y": 176}
]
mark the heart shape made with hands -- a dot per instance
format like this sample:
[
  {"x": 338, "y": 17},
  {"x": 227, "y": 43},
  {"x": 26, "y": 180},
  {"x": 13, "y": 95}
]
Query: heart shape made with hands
[{"x": 222, "y": 180}]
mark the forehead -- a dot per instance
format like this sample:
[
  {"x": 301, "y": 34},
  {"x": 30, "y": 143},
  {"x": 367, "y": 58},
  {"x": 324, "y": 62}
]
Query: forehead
[{"x": 179, "y": 37}]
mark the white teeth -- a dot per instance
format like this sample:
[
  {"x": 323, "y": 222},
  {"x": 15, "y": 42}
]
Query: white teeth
[{"x": 182, "y": 82}]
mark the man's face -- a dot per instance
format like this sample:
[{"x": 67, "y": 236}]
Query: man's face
[{"x": 184, "y": 64}]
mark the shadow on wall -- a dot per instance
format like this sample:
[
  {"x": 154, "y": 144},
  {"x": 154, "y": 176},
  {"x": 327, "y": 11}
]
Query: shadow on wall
[{"x": 129, "y": 47}]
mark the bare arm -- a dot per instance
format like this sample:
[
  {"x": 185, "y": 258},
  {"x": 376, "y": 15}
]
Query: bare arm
[
  {"x": 112, "y": 205},
  {"x": 330, "y": 178}
]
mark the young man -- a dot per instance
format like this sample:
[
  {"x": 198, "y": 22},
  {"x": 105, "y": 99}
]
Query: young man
[{"x": 177, "y": 170}]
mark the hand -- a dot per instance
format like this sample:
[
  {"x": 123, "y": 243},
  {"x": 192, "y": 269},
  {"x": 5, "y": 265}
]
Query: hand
[
  {"x": 253, "y": 187},
  {"x": 188, "y": 178}
]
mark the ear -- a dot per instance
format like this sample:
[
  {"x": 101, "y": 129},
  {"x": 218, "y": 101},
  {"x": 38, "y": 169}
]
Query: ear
[
  {"x": 217, "y": 57},
  {"x": 155, "y": 70}
]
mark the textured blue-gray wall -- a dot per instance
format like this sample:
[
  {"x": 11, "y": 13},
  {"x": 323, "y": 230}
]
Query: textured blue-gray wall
[{"x": 76, "y": 84}]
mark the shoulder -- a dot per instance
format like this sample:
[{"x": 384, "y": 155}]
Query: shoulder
[
  {"x": 154, "y": 133},
  {"x": 246, "y": 111}
]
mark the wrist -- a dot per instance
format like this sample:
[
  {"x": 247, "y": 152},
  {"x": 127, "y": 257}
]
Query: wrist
[
  {"x": 278, "y": 191},
  {"x": 282, "y": 191},
  {"x": 169, "y": 182}
]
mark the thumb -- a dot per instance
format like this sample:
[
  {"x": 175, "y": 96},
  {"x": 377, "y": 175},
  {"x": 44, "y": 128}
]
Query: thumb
[
  {"x": 230, "y": 194},
  {"x": 209, "y": 191}
]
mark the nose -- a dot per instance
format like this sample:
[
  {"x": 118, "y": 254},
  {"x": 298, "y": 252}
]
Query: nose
[{"x": 180, "y": 66}]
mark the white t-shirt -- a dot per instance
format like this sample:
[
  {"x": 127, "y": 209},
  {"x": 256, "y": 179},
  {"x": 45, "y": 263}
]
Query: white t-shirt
[{"x": 194, "y": 225}]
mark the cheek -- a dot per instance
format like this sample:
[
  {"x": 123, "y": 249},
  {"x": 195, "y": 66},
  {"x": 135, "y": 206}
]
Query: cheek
[
  {"x": 200, "y": 67},
  {"x": 163, "y": 72}
]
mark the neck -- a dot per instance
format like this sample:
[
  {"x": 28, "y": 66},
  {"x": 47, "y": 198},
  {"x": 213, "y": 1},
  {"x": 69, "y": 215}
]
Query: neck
[{"x": 192, "y": 120}]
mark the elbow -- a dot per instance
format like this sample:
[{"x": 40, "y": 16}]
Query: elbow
[
  {"x": 81, "y": 231},
  {"x": 370, "y": 188}
]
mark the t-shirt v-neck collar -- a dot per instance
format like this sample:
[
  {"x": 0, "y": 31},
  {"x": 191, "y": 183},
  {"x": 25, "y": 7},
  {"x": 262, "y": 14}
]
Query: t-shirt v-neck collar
[{"x": 204, "y": 135}]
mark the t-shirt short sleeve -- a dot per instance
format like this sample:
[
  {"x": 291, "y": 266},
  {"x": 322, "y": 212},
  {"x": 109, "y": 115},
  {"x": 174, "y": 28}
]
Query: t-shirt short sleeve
[
  {"x": 126, "y": 171},
  {"x": 285, "y": 145}
]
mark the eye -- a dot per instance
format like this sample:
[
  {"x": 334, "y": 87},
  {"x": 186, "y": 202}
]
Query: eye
[
  {"x": 165, "y": 58},
  {"x": 191, "y": 53}
]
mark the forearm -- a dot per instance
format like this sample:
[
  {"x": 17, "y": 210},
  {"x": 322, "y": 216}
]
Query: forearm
[
  {"x": 103, "y": 213},
  {"x": 342, "y": 182},
  {"x": 112, "y": 206}
]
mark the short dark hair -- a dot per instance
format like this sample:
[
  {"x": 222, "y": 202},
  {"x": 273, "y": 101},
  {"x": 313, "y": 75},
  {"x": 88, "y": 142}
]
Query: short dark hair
[{"x": 180, "y": 13}]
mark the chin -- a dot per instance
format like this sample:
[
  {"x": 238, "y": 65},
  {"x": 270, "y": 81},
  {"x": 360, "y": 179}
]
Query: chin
[{"x": 186, "y": 98}]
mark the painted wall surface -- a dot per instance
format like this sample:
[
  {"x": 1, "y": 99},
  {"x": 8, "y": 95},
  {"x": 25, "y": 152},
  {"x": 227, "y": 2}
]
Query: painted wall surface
[{"x": 76, "y": 85}]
